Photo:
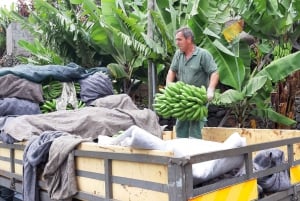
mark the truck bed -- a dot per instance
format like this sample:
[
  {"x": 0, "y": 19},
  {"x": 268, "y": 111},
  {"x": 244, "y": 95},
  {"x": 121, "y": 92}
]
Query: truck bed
[{"x": 122, "y": 173}]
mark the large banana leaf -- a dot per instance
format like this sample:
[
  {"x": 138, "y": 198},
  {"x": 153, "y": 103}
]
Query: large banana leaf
[
  {"x": 270, "y": 114},
  {"x": 231, "y": 96},
  {"x": 231, "y": 69},
  {"x": 254, "y": 84}
]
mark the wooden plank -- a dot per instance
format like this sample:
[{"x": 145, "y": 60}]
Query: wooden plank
[
  {"x": 19, "y": 154},
  {"x": 89, "y": 146},
  {"x": 4, "y": 165},
  {"x": 253, "y": 136},
  {"x": 132, "y": 170},
  {"x": 125, "y": 192},
  {"x": 141, "y": 171},
  {"x": 91, "y": 186},
  {"x": 167, "y": 135},
  {"x": 4, "y": 152},
  {"x": 120, "y": 191},
  {"x": 89, "y": 164}
]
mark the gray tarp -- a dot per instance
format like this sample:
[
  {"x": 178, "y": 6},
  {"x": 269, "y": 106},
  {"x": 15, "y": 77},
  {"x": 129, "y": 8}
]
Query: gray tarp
[
  {"x": 38, "y": 74},
  {"x": 95, "y": 86},
  {"x": 15, "y": 106},
  {"x": 35, "y": 154},
  {"x": 85, "y": 122},
  {"x": 115, "y": 101},
  {"x": 12, "y": 86},
  {"x": 59, "y": 172},
  {"x": 54, "y": 149},
  {"x": 270, "y": 158}
]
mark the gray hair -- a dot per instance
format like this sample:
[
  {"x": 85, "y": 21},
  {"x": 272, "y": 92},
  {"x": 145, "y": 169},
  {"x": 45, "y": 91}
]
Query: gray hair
[{"x": 187, "y": 32}]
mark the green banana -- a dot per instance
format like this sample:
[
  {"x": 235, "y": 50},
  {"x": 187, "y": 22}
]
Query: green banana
[{"x": 182, "y": 101}]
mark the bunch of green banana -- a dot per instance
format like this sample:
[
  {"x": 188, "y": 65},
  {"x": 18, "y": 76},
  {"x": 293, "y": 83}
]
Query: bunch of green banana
[
  {"x": 182, "y": 101},
  {"x": 48, "y": 106},
  {"x": 52, "y": 90},
  {"x": 77, "y": 87},
  {"x": 80, "y": 104}
]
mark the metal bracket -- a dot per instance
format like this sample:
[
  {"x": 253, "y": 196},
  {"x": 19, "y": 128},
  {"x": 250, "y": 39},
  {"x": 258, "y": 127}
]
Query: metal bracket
[
  {"x": 295, "y": 194},
  {"x": 12, "y": 184}
]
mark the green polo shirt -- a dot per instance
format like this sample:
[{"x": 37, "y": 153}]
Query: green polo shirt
[{"x": 197, "y": 69}]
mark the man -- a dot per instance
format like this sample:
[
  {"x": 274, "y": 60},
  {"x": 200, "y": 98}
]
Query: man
[{"x": 192, "y": 65}]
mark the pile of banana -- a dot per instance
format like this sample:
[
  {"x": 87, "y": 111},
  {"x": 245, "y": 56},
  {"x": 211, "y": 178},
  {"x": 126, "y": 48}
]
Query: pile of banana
[
  {"x": 52, "y": 90},
  {"x": 182, "y": 101},
  {"x": 50, "y": 106}
]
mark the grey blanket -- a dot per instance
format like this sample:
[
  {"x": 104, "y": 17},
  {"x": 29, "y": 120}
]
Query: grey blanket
[
  {"x": 4, "y": 137},
  {"x": 52, "y": 149},
  {"x": 85, "y": 122},
  {"x": 35, "y": 154},
  {"x": 122, "y": 101},
  {"x": 59, "y": 172},
  {"x": 15, "y": 106},
  {"x": 12, "y": 86},
  {"x": 267, "y": 159},
  {"x": 95, "y": 86}
]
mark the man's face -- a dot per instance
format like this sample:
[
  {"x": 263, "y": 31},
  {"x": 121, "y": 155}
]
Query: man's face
[{"x": 182, "y": 42}]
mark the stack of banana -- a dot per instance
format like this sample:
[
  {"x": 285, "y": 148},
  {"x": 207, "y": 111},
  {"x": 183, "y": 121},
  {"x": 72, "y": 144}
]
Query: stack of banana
[
  {"x": 182, "y": 101},
  {"x": 53, "y": 90}
]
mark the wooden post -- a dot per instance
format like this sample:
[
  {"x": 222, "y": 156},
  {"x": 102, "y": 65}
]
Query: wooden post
[{"x": 152, "y": 74}]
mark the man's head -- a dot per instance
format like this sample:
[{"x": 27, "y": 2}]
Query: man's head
[{"x": 184, "y": 38}]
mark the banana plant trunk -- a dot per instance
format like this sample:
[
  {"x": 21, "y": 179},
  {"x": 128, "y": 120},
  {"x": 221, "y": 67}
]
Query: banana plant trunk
[{"x": 152, "y": 74}]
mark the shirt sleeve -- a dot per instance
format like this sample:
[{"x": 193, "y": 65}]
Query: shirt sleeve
[
  {"x": 175, "y": 62},
  {"x": 208, "y": 62}
]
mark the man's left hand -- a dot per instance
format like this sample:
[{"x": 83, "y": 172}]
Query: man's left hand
[{"x": 210, "y": 94}]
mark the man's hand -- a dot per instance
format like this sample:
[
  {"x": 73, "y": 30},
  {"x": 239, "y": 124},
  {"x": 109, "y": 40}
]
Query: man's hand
[{"x": 210, "y": 94}]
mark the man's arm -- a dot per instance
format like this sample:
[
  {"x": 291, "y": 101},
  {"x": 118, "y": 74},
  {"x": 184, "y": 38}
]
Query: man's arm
[
  {"x": 214, "y": 80},
  {"x": 170, "y": 76}
]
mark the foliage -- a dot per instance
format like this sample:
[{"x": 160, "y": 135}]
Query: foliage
[
  {"x": 40, "y": 54},
  {"x": 252, "y": 95},
  {"x": 274, "y": 41},
  {"x": 59, "y": 29},
  {"x": 113, "y": 33}
]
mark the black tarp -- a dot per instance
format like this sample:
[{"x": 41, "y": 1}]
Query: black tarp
[{"x": 38, "y": 74}]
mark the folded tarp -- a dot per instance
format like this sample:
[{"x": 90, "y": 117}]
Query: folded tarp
[
  {"x": 15, "y": 106},
  {"x": 12, "y": 86},
  {"x": 95, "y": 86},
  {"x": 85, "y": 122},
  {"x": 38, "y": 74},
  {"x": 115, "y": 101}
]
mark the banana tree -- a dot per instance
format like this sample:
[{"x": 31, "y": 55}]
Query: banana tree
[
  {"x": 60, "y": 28},
  {"x": 117, "y": 27},
  {"x": 252, "y": 95},
  {"x": 274, "y": 36}
]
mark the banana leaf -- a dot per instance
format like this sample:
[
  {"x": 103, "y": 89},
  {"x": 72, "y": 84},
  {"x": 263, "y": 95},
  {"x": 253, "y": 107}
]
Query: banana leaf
[{"x": 270, "y": 114}]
